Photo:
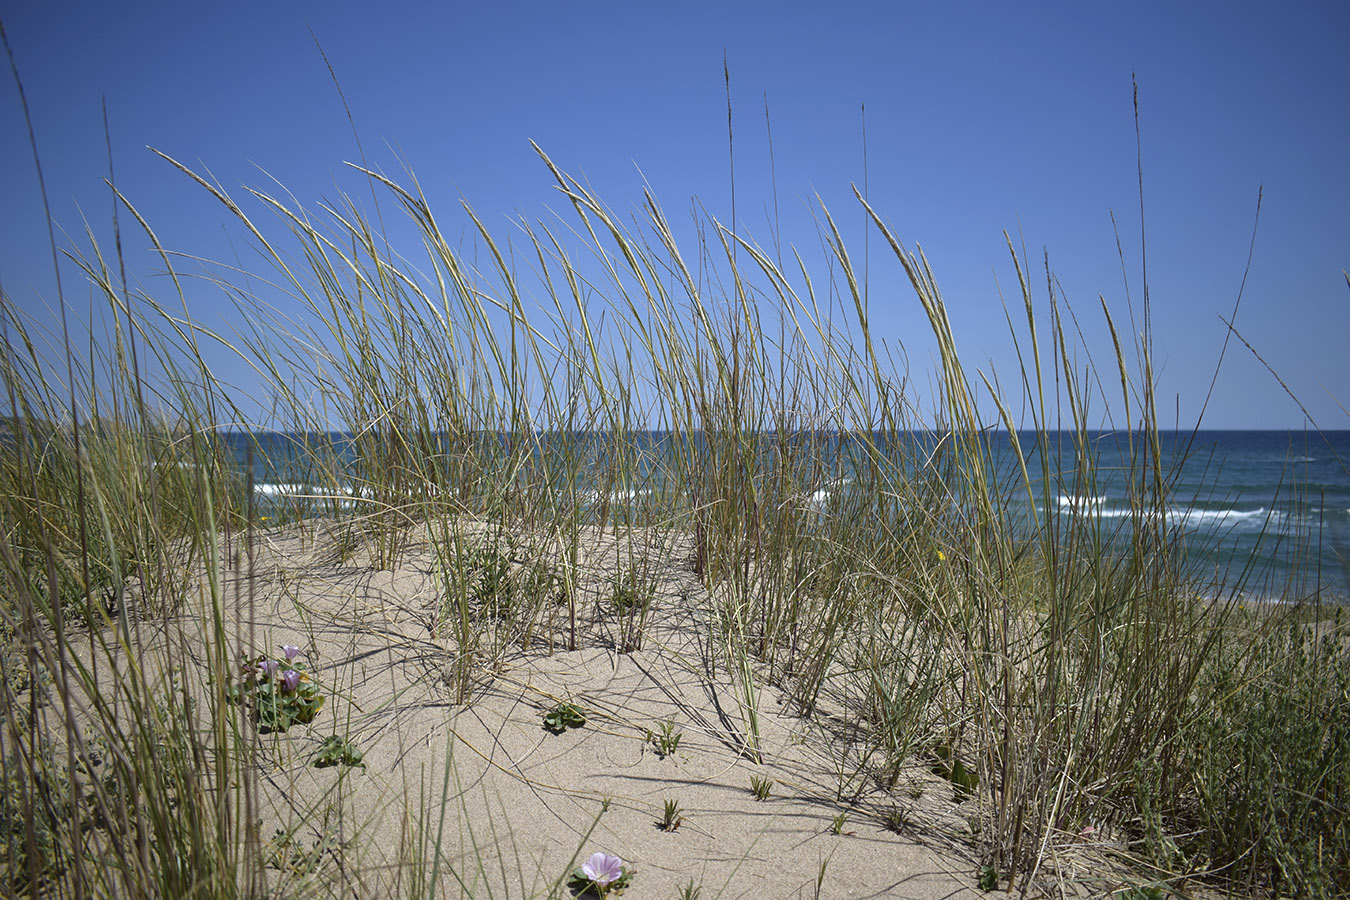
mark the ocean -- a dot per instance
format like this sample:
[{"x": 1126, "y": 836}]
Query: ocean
[{"x": 1271, "y": 508}]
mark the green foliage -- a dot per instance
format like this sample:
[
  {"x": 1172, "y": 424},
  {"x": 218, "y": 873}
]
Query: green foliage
[
  {"x": 496, "y": 591},
  {"x": 760, "y": 787},
  {"x": 488, "y": 569},
  {"x": 964, "y": 780},
  {"x": 666, "y": 740},
  {"x": 1144, "y": 892},
  {"x": 894, "y": 819},
  {"x": 277, "y": 692},
  {"x": 288, "y": 853},
  {"x": 671, "y": 815},
  {"x": 336, "y": 751},
  {"x": 988, "y": 880},
  {"x": 564, "y": 716},
  {"x": 631, "y": 601},
  {"x": 31, "y": 816},
  {"x": 1272, "y": 762},
  {"x": 97, "y": 525}
]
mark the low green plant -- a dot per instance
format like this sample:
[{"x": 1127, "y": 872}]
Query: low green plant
[
  {"x": 894, "y": 819},
  {"x": 690, "y": 890},
  {"x": 1143, "y": 892},
  {"x": 277, "y": 691},
  {"x": 337, "y": 751},
  {"x": 489, "y": 569},
  {"x": 988, "y": 879},
  {"x": 1285, "y": 814},
  {"x": 286, "y": 852},
  {"x": 666, "y": 740},
  {"x": 564, "y": 716},
  {"x": 631, "y": 602},
  {"x": 838, "y": 822},
  {"x": 671, "y": 817},
  {"x": 627, "y": 600},
  {"x": 30, "y": 850},
  {"x": 760, "y": 787},
  {"x": 964, "y": 780}
]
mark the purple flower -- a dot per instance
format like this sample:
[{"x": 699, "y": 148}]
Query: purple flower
[
  {"x": 290, "y": 680},
  {"x": 267, "y": 669},
  {"x": 603, "y": 869},
  {"x": 291, "y": 651}
]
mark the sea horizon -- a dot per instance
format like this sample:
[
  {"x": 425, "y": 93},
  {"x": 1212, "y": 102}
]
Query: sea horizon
[{"x": 1267, "y": 508}]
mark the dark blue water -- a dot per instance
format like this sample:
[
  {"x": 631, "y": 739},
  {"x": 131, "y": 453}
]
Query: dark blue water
[
  {"x": 1271, "y": 508},
  {"x": 1268, "y": 508}
]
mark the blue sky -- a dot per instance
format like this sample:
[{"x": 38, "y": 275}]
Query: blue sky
[{"x": 980, "y": 118}]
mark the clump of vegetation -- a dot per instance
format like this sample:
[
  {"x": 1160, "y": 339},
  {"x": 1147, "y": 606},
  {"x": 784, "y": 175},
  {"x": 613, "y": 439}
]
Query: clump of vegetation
[
  {"x": 631, "y": 601},
  {"x": 671, "y": 816},
  {"x": 964, "y": 780},
  {"x": 988, "y": 879},
  {"x": 30, "y": 811},
  {"x": 666, "y": 739},
  {"x": 337, "y": 751},
  {"x": 1272, "y": 788},
  {"x": 498, "y": 594},
  {"x": 760, "y": 787},
  {"x": 601, "y": 875},
  {"x": 894, "y": 819},
  {"x": 564, "y": 716},
  {"x": 287, "y": 852},
  {"x": 277, "y": 691}
]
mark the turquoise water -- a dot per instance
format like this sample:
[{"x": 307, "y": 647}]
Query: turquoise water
[{"x": 1269, "y": 507}]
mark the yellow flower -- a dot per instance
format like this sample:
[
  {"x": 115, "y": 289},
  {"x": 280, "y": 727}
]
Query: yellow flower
[{"x": 942, "y": 557}]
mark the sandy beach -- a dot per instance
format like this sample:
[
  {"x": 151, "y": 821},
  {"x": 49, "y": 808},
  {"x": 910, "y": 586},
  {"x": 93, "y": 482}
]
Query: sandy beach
[{"x": 514, "y": 806}]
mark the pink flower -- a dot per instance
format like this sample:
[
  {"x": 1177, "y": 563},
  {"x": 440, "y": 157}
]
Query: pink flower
[
  {"x": 267, "y": 669},
  {"x": 291, "y": 651},
  {"x": 603, "y": 869},
  {"x": 290, "y": 680}
]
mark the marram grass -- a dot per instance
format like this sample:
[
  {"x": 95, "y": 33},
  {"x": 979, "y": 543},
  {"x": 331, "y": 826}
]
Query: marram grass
[{"x": 595, "y": 372}]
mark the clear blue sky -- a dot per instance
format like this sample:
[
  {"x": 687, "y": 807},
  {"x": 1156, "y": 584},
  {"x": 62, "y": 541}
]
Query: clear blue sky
[{"x": 980, "y": 117}]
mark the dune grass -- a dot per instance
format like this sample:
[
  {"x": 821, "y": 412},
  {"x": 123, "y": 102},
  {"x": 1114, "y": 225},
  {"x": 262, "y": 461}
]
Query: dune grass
[{"x": 900, "y": 571}]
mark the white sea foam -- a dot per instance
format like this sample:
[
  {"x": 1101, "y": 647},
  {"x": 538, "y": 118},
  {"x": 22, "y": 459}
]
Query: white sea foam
[
  {"x": 282, "y": 490},
  {"x": 285, "y": 491},
  {"x": 619, "y": 496},
  {"x": 1196, "y": 519},
  {"x": 1073, "y": 501},
  {"x": 821, "y": 496}
]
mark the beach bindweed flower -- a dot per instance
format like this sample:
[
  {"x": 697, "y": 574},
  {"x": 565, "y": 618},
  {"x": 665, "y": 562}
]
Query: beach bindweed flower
[
  {"x": 290, "y": 680},
  {"x": 603, "y": 869},
  {"x": 267, "y": 669},
  {"x": 291, "y": 651}
]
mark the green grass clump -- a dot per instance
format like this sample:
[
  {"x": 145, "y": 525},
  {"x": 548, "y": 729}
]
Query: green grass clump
[
  {"x": 666, "y": 739},
  {"x": 1272, "y": 786}
]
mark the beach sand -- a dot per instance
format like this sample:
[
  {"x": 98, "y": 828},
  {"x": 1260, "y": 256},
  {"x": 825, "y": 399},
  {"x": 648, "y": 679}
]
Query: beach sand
[{"x": 514, "y": 807}]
